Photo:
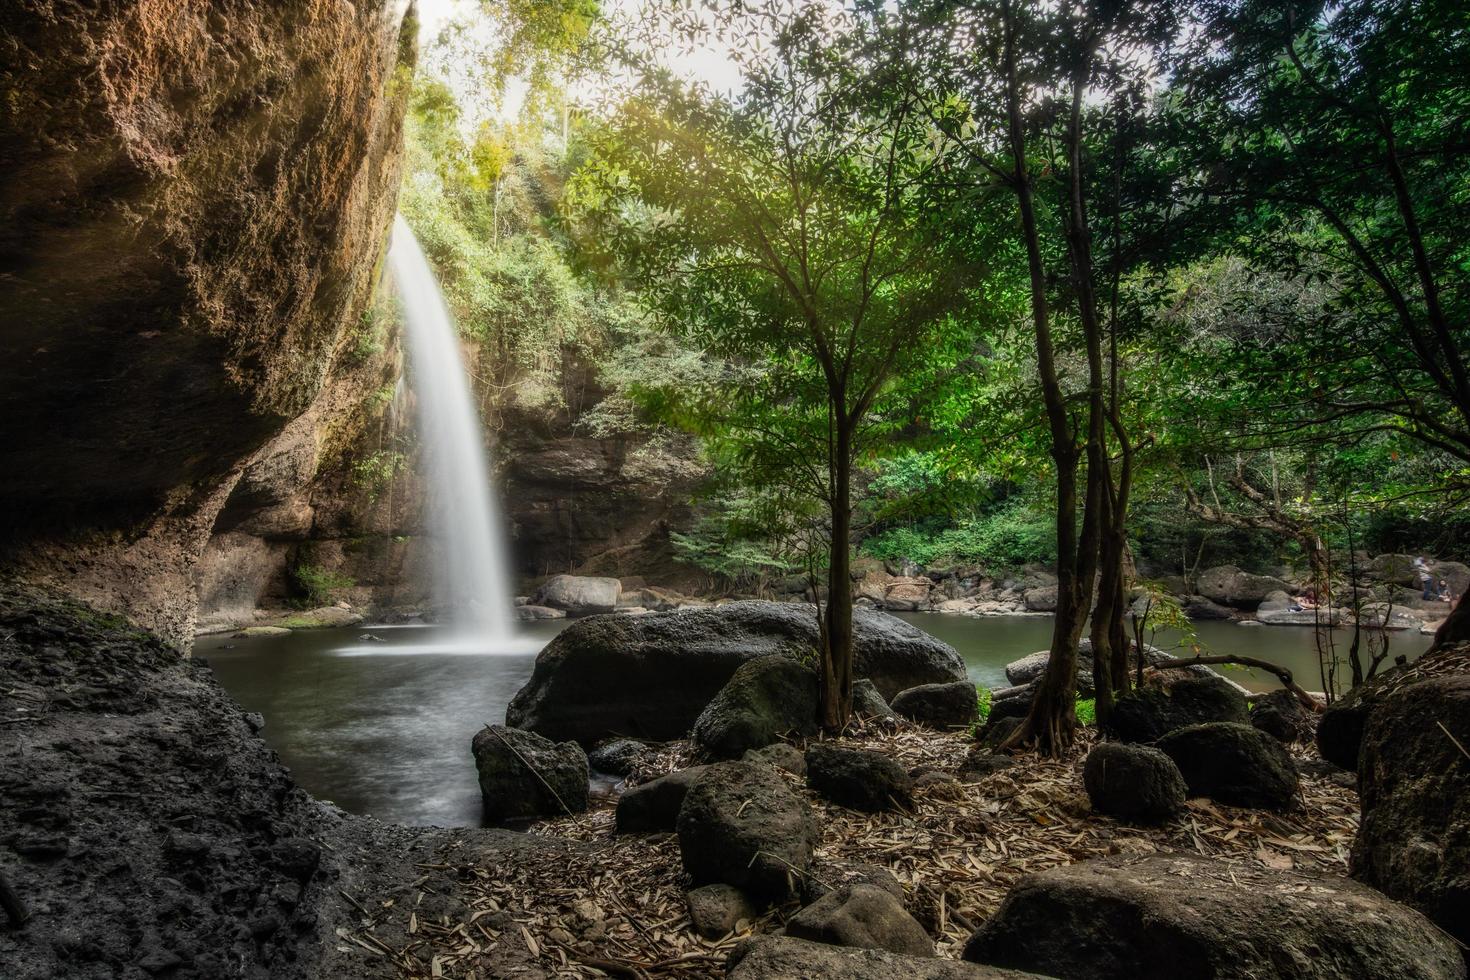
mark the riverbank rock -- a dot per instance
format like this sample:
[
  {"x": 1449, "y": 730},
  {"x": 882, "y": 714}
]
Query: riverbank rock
[
  {"x": 861, "y": 916},
  {"x": 579, "y": 595},
  {"x": 1200, "y": 608},
  {"x": 741, "y": 825},
  {"x": 1276, "y": 610},
  {"x": 783, "y": 958},
  {"x": 765, "y": 700},
  {"x": 529, "y": 613},
  {"x": 1189, "y": 918},
  {"x": 1280, "y": 715},
  {"x": 651, "y": 676},
  {"x": 653, "y": 807},
  {"x": 1340, "y": 728},
  {"x": 952, "y": 705},
  {"x": 325, "y": 618},
  {"x": 618, "y": 756},
  {"x": 907, "y": 594},
  {"x": 1134, "y": 783},
  {"x": 716, "y": 910},
  {"x": 1147, "y": 714},
  {"x": 1414, "y": 781},
  {"x": 1233, "y": 763},
  {"x": 510, "y": 761},
  {"x": 1229, "y": 586},
  {"x": 858, "y": 779}
]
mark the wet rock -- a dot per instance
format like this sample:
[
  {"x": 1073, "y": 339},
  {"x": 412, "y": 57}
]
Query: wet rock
[
  {"x": 1233, "y": 763},
  {"x": 653, "y": 807},
  {"x": 717, "y": 909},
  {"x": 1147, "y": 714},
  {"x": 1414, "y": 840},
  {"x": 651, "y": 676},
  {"x": 617, "y": 757},
  {"x": 1229, "y": 586},
  {"x": 741, "y": 825},
  {"x": 530, "y": 613},
  {"x": 863, "y": 916},
  {"x": 509, "y": 762},
  {"x": 1280, "y": 715},
  {"x": 250, "y": 632},
  {"x": 782, "y": 755},
  {"x": 579, "y": 595},
  {"x": 1189, "y": 918},
  {"x": 1133, "y": 783},
  {"x": 952, "y": 705},
  {"x": 764, "y": 701},
  {"x": 783, "y": 958},
  {"x": 858, "y": 779}
]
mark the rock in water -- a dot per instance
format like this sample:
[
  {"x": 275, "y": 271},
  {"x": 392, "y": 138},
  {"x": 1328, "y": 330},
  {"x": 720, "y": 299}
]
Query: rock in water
[
  {"x": 1186, "y": 918},
  {"x": 509, "y": 762},
  {"x": 1230, "y": 586},
  {"x": 650, "y": 676},
  {"x": 857, "y": 779},
  {"x": 653, "y": 806},
  {"x": 766, "y": 699},
  {"x": 864, "y": 916},
  {"x": 1133, "y": 782},
  {"x": 1414, "y": 780},
  {"x": 1148, "y": 714},
  {"x": 783, "y": 958},
  {"x": 742, "y": 826},
  {"x": 1234, "y": 764},
  {"x": 952, "y": 705},
  {"x": 579, "y": 595}
]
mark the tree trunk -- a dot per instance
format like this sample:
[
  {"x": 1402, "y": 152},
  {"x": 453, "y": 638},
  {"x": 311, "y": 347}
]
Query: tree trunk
[
  {"x": 1456, "y": 628},
  {"x": 836, "y": 687}
]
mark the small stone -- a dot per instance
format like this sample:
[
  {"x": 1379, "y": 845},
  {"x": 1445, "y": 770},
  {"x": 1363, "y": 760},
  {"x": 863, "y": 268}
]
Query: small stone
[
  {"x": 717, "y": 909},
  {"x": 862, "y": 916},
  {"x": 1133, "y": 782}
]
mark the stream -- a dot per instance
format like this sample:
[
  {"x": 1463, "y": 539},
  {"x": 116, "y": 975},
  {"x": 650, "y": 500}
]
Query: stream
[{"x": 387, "y": 733}]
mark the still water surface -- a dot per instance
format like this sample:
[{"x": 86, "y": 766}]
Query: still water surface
[{"x": 382, "y": 729}]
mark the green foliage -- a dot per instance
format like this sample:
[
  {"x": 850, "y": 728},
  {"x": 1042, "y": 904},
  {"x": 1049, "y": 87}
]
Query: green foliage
[
  {"x": 982, "y": 704},
  {"x": 1014, "y": 534},
  {"x": 373, "y": 473},
  {"x": 1086, "y": 710},
  {"x": 318, "y": 586}
]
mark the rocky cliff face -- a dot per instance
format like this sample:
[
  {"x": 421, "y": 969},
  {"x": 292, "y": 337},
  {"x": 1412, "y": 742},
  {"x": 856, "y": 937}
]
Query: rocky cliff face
[{"x": 194, "y": 205}]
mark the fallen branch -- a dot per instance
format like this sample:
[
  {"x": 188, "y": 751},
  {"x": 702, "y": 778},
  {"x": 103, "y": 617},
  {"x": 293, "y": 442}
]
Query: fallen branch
[
  {"x": 1282, "y": 674},
  {"x": 532, "y": 769}
]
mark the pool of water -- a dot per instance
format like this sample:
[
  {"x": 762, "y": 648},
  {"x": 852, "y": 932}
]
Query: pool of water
[{"x": 382, "y": 726}]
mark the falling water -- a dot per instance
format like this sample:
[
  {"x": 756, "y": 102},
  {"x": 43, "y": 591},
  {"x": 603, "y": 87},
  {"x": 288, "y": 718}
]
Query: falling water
[{"x": 471, "y": 575}]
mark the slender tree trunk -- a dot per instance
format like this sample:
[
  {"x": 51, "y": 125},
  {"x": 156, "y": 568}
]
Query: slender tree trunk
[{"x": 836, "y": 688}]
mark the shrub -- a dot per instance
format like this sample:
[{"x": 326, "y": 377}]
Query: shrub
[{"x": 318, "y": 585}]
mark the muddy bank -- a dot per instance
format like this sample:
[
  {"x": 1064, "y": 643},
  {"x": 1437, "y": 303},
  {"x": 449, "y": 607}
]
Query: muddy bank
[{"x": 150, "y": 831}]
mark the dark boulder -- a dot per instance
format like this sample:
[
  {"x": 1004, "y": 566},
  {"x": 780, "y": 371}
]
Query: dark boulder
[
  {"x": 782, "y": 755},
  {"x": 741, "y": 825},
  {"x": 1178, "y": 917},
  {"x": 783, "y": 958},
  {"x": 1280, "y": 715},
  {"x": 1147, "y": 714},
  {"x": 1414, "y": 782},
  {"x": 1340, "y": 729},
  {"x": 858, "y": 779},
  {"x": 1233, "y": 763},
  {"x": 651, "y": 676},
  {"x": 952, "y": 705},
  {"x": 617, "y": 757},
  {"x": 765, "y": 700},
  {"x": 997, "y": 730},
  {"x": 717, "y": 909},
  {"x": 864, "y": 916},
  {"x": 833, "y": 875},
  {"x": 981, "y": 762},
  {"x": 523, "y": 775},
  {"x": 1133, "y": 782},
  {"x": 653, "y": 806},
  {"x": 1198, "y": 607}
]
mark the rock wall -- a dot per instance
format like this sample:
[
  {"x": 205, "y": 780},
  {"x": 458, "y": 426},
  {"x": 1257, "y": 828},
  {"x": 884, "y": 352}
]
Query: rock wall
[{"x": 195, "y": 201}]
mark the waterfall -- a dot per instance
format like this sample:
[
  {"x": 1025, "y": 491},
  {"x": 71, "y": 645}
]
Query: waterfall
[{"x": 471, "y": 577}]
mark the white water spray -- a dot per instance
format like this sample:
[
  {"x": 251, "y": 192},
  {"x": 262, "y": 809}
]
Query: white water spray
[{"x": 471, "y": 577}]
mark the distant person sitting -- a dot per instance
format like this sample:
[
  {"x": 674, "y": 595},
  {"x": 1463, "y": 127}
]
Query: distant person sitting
[
  {"x": 1305, "y": 602},
  {"x": 1426, "y": 579},
  {"x": 1445, "y": 595}
]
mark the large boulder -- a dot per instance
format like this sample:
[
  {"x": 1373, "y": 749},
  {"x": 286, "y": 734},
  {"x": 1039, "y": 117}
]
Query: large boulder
[
  {"x": 858, "y": 779},
  {"x": 952, "y": 705},
  {"x": 907, "y": 594},
  {"x": 1229, "y": 586},
  {"x": 1199, "y": 608},
  {"x": 580, "y": 595},
  {"x": 1133, "y": 783},
  {"x": 653, "y": 807},
  {"x": 1233, "y": 763},
  {"x": 741, "y": 825},
  {"x": 1187, "y": 918},
  {"x": 784, "y": 958},
  {"x": 1279, "y": 609},
  {"x": 523, "y": 775},
  {"x": 1146, "y": 714},
  {"x": 1043, "y": 598},
  {"x": 863, "y": 916},
  {"x": 765, "y": 700},
  {"x": 1340, "y": 729},
  {"x": 651, "y": 676},
  {"x": 1414, "y": 782}
]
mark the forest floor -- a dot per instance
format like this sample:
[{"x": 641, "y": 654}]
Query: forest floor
[{"x": 600, "y": 904}]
